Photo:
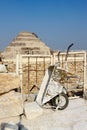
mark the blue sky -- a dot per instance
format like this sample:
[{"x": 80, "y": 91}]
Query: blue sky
[{"x": 57, "y": 22}]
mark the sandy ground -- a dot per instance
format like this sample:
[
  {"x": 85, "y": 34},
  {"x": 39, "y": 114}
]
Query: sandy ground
[{"x": 74, "y": 117}]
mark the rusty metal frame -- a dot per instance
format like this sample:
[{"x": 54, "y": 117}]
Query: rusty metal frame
[{"x": 28, "y": 57}]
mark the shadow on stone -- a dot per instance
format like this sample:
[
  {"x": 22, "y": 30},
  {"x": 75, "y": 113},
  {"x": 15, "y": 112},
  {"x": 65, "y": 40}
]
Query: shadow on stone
[
  {"x": 21, "y": 127},
  {"x": 12, "y": 126}
]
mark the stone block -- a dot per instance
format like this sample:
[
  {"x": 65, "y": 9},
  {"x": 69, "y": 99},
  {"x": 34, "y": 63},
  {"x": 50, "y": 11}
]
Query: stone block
[
  {"x": 10, "y": 120},
  {"x": 32, "y": 110},
  {"x": 11, "y": 104},
  {"x": 8, "y": 81}
]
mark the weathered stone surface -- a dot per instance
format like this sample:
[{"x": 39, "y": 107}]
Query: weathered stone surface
[
  {"x": 32, "y": 110},
  {"x": 29, "y": 97},
  {"x": 11, "y": 105},
  {"x": 10, "y": 120},
  {"x": 8, "y": 81},
  {"x": 74, "y": 117},
  {"x": 2, "y": 68},
  {"x": 80, "y": 125}
]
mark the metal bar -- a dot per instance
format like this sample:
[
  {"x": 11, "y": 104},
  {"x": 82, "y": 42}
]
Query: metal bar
[
  {"x": 75, "y": 62},
  {"x": 68, "y": 49},
  {"x": 62, "y": 61},
  {"x": 51, "y": 60},
  {"x": 74, "y": 52},
  {"x": 21, "y": 74},
  {"x": 44, "y": 64},
  {"x": 85, "y": 72},
  {"x": 28, "y": 74},
  {"x": 17, "y": 64},
  {"x": 41, "y": 56},
  {"x": 36, "y": 70}
]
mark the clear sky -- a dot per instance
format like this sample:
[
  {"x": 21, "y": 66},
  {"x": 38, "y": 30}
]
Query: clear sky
[{"x": 57, "y": 22}]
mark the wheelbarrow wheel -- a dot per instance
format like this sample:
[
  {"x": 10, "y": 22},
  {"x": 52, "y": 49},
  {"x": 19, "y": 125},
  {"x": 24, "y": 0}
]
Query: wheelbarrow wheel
[{"x": 61, "y": 101}]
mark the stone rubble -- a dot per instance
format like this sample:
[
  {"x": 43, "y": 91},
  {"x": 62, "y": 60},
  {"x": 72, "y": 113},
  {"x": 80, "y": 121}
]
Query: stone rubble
[
  {"x": 21, "y": 112},
  {"x": 74, "y": 117}
]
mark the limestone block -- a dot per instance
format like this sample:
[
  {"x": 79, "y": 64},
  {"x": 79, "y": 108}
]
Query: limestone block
[
  {"x": 2, "y": 68},
  {"x": 10, "y": 120},
  {"x": 11, "y": 104},
  {"x": 32, "y": 110},
  {"x": 8, "y": 81}
]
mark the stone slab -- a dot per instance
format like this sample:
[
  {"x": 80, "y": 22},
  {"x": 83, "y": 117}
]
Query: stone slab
[
  {"x": 32, "y": 110},
  {"x": 11, "y": 104}
]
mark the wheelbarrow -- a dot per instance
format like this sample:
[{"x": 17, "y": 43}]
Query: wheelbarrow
[{"x": 52, "y": 92}]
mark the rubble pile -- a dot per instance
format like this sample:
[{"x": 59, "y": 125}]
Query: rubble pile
[{"x": 14, "y": 104}]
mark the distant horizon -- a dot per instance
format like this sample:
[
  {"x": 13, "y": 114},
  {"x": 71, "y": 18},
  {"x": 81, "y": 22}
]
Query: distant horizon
[{"x": 57, "y": 23}]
